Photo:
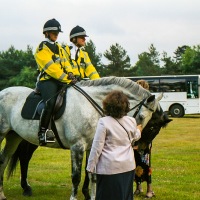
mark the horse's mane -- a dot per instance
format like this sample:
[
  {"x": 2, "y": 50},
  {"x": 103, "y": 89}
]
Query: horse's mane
[{"x": 130, "y": 85}]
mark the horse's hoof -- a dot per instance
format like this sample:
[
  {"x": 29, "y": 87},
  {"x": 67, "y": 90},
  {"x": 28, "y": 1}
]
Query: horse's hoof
[
  {"x": 3, "y": 198},
  {"x": 73, "y": 198},
  {"x": 150, "y": 195},
  {"x": 92, "y": 198},
  {"x": 28, "y": 191},
  {"x": 138, "y": 191}
]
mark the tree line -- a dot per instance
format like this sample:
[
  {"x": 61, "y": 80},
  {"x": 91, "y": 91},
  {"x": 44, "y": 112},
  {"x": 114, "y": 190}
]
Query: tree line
[{"x": 18, "y": 67}]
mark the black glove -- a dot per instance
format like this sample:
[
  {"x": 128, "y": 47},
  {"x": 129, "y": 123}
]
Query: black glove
[{"x": 72, "y": 77}]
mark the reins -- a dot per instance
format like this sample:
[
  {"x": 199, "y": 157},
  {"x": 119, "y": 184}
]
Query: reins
[
  {"x": 139, "y": 105},
  {"x": 100, "y": 110},
  {"x": 90, "y": 99}
]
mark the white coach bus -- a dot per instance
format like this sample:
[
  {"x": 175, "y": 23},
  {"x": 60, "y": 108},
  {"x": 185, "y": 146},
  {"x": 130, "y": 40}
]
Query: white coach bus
[{"x": 181, "y": 92}]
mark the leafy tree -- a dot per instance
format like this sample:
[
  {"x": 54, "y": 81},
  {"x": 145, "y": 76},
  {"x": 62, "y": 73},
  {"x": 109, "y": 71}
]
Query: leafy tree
[
  {"x": 179, "y": 51},
  {"x": 119, "y": 61},
  {"x": 191, "y": 60},
  {"x": 11, "y": 63},
  {"x": 148, "y": 63},
  {"x": 90, "y": 48},
  {"x": 170, "y": 65},
  {"x": 27, "y": 77}
]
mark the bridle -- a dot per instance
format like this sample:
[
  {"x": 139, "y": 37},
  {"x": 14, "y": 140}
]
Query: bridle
[
  {"x": 138, "y": 106},
  {"x": 100, "y": 110}
]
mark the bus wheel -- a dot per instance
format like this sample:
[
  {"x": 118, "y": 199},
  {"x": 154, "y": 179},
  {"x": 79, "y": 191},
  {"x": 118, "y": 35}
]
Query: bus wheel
[{"x": 177, "y": 111}]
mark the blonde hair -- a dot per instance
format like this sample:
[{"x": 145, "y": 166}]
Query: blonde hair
[{"x": 143, "y": 83}]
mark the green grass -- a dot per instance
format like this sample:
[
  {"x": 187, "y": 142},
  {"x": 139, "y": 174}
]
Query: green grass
[{"x": 175, "y": 164}]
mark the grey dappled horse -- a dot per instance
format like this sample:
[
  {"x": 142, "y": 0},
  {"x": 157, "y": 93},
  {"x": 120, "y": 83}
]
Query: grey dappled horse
[
  {"x": 25, "y": 150},
  {"x": 77, "y": 125}
]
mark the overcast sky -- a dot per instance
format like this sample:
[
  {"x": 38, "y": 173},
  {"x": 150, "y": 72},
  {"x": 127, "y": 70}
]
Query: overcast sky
[{"x": 134, "y": 24}]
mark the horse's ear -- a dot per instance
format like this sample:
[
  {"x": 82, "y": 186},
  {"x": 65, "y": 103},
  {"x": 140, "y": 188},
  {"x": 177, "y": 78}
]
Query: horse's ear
[
  {"x": 168, "y": 120},
  {"x": 151, "y": 98},
  {"x": 160, "y": 96}
]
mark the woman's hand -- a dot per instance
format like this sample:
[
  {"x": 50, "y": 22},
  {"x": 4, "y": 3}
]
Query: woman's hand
[{"x": 139, "y": 127}]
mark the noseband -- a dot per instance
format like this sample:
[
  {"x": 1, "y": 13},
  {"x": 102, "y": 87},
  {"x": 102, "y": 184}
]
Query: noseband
[{"x": 138, "y": 106}]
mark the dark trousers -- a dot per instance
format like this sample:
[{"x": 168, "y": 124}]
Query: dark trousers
[
  {"x": 49, "y": 90},
  {"x": 115, "y": 187}
]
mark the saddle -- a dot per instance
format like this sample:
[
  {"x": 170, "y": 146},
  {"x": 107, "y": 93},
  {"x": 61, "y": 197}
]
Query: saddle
[{"x": 34, "y": 105}]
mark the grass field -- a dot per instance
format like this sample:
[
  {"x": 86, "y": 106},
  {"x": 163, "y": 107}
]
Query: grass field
[{"x": 175, "y": 163}]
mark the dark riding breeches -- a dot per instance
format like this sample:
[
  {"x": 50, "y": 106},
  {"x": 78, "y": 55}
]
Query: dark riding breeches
[{"x": 49, "y": 90}]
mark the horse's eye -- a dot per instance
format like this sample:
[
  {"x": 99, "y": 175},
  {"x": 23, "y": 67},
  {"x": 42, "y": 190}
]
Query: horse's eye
[
  {"x": 151, "y": 128},
  {"x": 141, "y": 116}
]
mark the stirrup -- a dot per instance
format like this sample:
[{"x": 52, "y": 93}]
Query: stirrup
[{"x": 49, "y": 136}]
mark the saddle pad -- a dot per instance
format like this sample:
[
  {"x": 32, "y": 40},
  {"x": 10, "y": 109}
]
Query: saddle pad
[{"x": 29, "y": 108}]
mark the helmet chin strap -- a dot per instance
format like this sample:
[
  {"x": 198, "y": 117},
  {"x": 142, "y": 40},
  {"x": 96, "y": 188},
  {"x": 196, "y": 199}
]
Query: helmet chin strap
[
  {"x": 47, "y": 35},
  {"x": 74, "y": 40},
  {"x": 79, "y": 46}
]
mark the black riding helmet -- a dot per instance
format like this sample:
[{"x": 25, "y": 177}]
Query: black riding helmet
[
  {"x": 52, "y": 25},
  {"x": 77, "y": 31}
]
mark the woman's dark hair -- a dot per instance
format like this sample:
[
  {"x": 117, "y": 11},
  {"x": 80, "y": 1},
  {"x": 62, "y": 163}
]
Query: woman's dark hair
[{"x": 116, "y": 104}]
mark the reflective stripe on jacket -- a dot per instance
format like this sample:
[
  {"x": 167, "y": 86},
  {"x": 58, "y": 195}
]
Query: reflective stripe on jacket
[
  {"x": 83, "y": 66},
  {"x": 53, "y": 65}
]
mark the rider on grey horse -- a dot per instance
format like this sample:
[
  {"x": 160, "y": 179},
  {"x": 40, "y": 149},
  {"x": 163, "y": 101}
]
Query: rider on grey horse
[
  {"x": 55, "y": 70},
  {"x": 79, "y": 58}
]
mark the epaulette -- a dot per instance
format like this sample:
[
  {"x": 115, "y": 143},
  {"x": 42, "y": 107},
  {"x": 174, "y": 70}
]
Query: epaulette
[{"x": 41, "y": 45}]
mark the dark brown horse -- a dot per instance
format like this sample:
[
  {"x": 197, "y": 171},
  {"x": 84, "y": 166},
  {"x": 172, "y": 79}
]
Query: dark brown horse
[{"x": 142, "y": 151}]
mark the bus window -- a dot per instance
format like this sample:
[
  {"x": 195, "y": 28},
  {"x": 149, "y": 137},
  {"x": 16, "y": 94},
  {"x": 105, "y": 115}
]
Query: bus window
[
  {"x": 153, "y": 85},
  {"x": 172, "y": 85},
  {"x": 192, "y": 89}
]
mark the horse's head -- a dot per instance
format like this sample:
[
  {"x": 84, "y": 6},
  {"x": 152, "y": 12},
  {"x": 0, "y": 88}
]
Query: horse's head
[
  {"x": 146, "y": 109},
  {"x": 159, "y": 120}
]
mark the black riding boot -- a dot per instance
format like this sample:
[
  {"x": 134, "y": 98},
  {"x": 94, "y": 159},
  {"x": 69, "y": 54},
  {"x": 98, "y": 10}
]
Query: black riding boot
[{"x": 44, "y": 135}]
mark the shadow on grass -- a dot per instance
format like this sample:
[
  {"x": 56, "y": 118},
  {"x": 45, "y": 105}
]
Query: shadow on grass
[{"x": 191, "y": 116}]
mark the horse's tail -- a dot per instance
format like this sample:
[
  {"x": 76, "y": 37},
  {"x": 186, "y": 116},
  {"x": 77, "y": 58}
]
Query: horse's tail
[
  {"x": 23, "y": 154},
  {"x": 12, "y": 164}
]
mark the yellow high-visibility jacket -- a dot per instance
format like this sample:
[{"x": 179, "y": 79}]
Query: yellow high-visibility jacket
[
  {"x": 83, "y": 66},
  {"x": 52, "y": 65}
]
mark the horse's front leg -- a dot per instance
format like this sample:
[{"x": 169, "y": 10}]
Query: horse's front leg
[
  {"x": 150, "y": 193},
  {"x": 93, "y": 181},
  {"x": 85, "y": 188},
  {"x": 77, "y": 153}
]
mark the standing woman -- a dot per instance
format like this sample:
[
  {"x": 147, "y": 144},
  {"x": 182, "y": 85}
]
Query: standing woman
[{"x": 112, "y": 157}]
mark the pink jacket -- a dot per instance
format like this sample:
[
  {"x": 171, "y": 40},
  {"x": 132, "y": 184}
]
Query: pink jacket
[{"x": 111, "y": 151}]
